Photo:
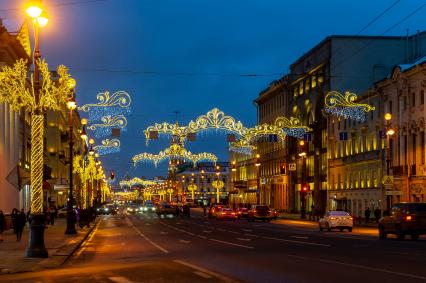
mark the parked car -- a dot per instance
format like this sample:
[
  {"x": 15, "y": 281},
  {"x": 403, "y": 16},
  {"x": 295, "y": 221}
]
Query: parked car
[
  {"x": 243, "y": 212},
  {"x": 165, "y": 208},
  {"x": 62, "y": 213},
  {"x": 260, "y": 212},
  {"x": 406, "y": 218},
  {"x": 336, "y": 220},
  {"x": 225, "y": 213},
  {"x": 274, "y": 213}
]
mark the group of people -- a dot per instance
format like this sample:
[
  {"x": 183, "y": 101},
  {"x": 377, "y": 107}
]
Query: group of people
[
  {"x": 19, "y": 218},
  {"x": 367, "y": 214}
]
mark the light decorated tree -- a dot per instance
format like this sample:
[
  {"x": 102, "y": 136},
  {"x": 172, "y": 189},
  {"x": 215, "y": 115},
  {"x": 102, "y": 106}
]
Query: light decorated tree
[{"x": 22, "y": 90}]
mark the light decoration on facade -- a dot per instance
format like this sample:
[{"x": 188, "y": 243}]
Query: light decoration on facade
[
  {"x": 104, "y": 128},
  {"x": 174, "y": 151},
  {"x": 108, "y": 146},
  {"x": 19, "y": 92},
  {"x": 192, "y": 188},
  {"x": 218, "y": 185},
  {"x": 345, "y": 106},
  {"x": 170, "y": 191},
  {"x": 214, "y": 119}
]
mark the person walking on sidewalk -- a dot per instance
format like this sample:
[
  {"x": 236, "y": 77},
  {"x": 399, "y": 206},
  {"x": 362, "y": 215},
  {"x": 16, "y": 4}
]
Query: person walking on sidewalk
[
  {"x": 377, "y": 213},
  {"x": 21, "y": 219},
  {"x": 367, "y": 213},
  {"x": 2, "y": 222}
]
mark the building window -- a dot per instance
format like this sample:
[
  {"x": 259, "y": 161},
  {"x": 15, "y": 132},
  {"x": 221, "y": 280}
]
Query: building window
[
  {"x": 313, "y": 81},
  {"x": 301, "y": 88},
  {"x": 422, "y": 97},
  {"x": 295, "y": 91},
  {"x": 307, "y": 85},
  {"x": 390, "y": 106},
  {"x": 414, "y": 149},
  {"x": 413, "y": 102},
  {"x": 405, "y": 103}
]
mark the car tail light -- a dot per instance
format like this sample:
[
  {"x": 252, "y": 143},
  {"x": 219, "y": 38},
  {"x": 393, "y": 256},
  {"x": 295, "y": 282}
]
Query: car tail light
[
  {"x": 408, "y": 218},
  {"x": 350, "y": 218},
  {"x": 233, "y": 213},
  {"x": 223, "y": 213},
  {"x": 254, "y": 211},
  {"x": 333, "y": 218}
]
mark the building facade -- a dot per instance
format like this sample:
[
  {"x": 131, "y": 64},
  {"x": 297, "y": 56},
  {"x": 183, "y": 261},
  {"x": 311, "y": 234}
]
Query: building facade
[
  {"x": 338, "y": 63},
  {"x": 14, "y": 133}
]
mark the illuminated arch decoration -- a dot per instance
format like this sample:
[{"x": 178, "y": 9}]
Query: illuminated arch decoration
[
  {"x": 108, "y": 146},
  {"x": 242, "y": 147},
  {"x": 104, "y": 128},
  {"x": 136, "y": 181},
  {"x": 120, "y": 98},
  {"x": 214, "y": 119},
  {"x": 291, "y": 126},
  {"x": 174, "y": 151},
  {"x": 345, "y": 106}
]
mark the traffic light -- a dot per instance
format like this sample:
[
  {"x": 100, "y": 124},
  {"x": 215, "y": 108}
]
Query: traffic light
[{"x": 305, "y": 188}]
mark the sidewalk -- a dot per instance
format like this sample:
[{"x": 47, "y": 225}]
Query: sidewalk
[
  {"x": 296, "y": 216},
  {"x": 59, "y": 246}
]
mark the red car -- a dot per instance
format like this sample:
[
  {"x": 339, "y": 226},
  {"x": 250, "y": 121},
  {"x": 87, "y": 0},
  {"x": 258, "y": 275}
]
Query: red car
[
  {"x": 243, "y": 212},
  {"x": 213, "y": 210},
  {"x": 226, "y": 213}
]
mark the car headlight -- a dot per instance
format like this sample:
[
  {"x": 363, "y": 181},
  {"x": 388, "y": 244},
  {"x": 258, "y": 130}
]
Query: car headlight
[
  {"x": 153, "y": 208},
  {"x": 97, "y": 209},
  {"x": 145, "y": 209},
  {"x": 106, "y": 209}
]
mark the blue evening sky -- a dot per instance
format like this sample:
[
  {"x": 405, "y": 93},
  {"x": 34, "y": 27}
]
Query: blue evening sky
[{"x": 191, "y": 55}]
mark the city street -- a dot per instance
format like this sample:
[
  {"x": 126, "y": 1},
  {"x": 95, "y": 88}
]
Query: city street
[{"x": 146, "y": 248}]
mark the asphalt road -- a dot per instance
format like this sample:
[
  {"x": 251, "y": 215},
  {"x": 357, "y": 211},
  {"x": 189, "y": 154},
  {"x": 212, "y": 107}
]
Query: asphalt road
[{"x": 146, "y": 248}]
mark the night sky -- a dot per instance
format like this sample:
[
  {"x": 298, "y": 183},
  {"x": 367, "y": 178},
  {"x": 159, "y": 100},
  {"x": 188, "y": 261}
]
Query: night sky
[{"x": 180, "y": 58}]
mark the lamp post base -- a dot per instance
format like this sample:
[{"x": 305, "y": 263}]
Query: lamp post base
[
  {"x": 71, "y": 219},
  {"x": 36, "y": 248}
]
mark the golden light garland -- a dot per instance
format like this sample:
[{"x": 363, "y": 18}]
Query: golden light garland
[
  {"x": 345, "y": 105},
  {"x": 170, "y": 191},
  {"x": 174, "y": 151},
  {"x": 52, "y": 95},
  {"x": 137, "y": 181},
  {"x": 119, "y": 98},
  {"x": 108, "y": 146}
]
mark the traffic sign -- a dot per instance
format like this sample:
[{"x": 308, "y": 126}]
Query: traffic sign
[
  {"x": 387, "y": 180},
  {"x": 292, "y": 166}
]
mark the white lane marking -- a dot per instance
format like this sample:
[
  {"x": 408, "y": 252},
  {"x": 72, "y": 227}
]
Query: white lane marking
[
  {"x": 184, "y": 241},
  {"x": 300, "y": 237},
  {"x": 164, "y": 233},
  {"x": 202, "y": 237},
  {"x": 222, "y": 230},
  {"x": 121, "y": 280},
  {"x": 147, "y": 239},
  {"x": 189, "y": 233},
  {"x": 207, "y": 231},
  {"x": 297, "y": 242},
  {"x": 233, "y": 232},
  {"x": 232, "y": 244},
  {"x": 202, "y": 274},
  {"x": 360, "y": 266},
  {"x": 251, "y": 235},
  {"x": 206, "y": 271},
  {"x": 243, "y": 239},
  {"x": 247, "y": 230}
]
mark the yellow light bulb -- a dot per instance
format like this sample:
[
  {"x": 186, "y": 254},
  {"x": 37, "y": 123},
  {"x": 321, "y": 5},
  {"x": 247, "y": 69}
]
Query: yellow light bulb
[{"x": 34, "y": 9}]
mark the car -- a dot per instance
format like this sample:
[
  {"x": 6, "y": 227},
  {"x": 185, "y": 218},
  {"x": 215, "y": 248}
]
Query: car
[
  {"x": 148, "y": 207},
  {"x": 242, "y": 212},
  {"x": 225, "y": 213},
  {"x": 166, "y": 209},
  {"x": 336, "y": 220},
  {"x": 406, "y": 218},
  {"x": 274, "y": 213},
  {"x": 213, "y": 210},
  {"x": 107, "y": 210},
  {"x": 260, "y": 212},
  {"x": 132, "y": 209}
]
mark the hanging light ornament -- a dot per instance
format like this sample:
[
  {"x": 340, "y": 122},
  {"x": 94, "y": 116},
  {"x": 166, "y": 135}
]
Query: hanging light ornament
[
  {"x": 291, "y": 126},
  {"x": 345, "y": 106},
  {"x": 104, "y": 128},
  {"x": 174, "y": 151},
  {"x": 108, "y": 146}
]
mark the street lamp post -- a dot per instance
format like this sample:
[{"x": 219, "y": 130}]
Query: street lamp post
[
  {"x": 303, "y": 187},
  {"x": 71, "y": 217},
  {"x": 389, "y": 133},
  {"x": 257, "y": 164}
]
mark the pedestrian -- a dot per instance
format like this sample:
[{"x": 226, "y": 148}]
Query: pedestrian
[
  {"x": 377, "y": 213},
  {"x": 204, "y": 210},
  {"x": 14, "y": 216},
  {"x": 367, "y": 213},
  {"x": 2, "y": 222},
  {"x": 52, "y": 215},
  {"x": 21, "y": 219}
]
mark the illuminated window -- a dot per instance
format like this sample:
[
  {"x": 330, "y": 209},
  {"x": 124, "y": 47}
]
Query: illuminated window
[
  {"x": 313, "y": 81},
  {"x": 307, "y": 85},
  {"x": 320, "y": 79},
  {"x": 301, "y": 88},
  {"x": 295, "y": 91}
]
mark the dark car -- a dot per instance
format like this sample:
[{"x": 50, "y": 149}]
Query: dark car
[
  {"x": 406, "y": 218},
  {"x": 165, "y": 208},
  {"x": 243, "y": 212},
  {"x": 260, "y": 212}
]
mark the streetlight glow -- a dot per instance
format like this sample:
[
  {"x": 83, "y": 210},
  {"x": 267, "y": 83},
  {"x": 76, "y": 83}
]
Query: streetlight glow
[
  {"x": 388, "y": 116},
  {"x": 42, "y": 20},
  {"x": 34, "y": 9},
  {"x": 390, "y": 132}
]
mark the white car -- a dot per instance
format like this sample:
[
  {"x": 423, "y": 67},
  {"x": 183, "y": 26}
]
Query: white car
[{"x": 336, "y": 220}]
